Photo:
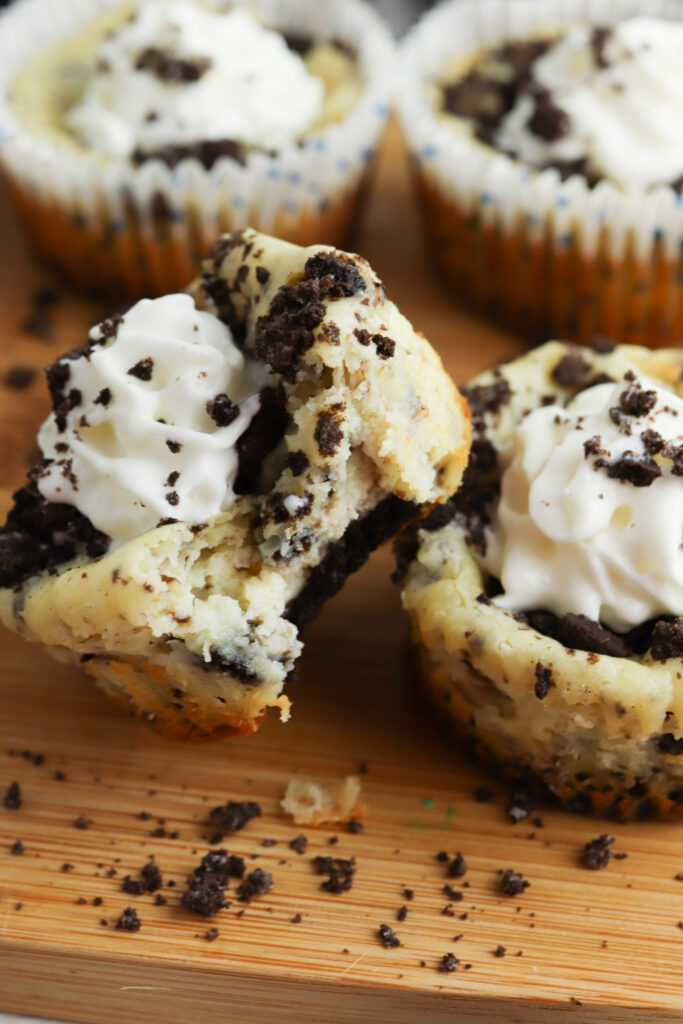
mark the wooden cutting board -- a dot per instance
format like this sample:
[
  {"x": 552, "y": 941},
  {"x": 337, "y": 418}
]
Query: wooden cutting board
[{"x": 581, "y": 945}]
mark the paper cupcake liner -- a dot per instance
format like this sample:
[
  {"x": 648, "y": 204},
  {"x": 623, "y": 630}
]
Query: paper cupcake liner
[
  {"x": 142, "y": 230},
  {"x": 545, "y": 256}
]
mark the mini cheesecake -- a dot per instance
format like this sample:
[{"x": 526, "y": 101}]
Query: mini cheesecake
[
  {"x": 546, "y": 598},
  {"x": 216, "y": 464}
]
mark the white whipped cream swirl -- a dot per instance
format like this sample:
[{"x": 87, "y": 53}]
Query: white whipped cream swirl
[
  {"x": 573, "y": 536},
  {"x": 139, "y": 445},
  {"x": 233, "y": 79},
  {"x": 623, "y": 98}
]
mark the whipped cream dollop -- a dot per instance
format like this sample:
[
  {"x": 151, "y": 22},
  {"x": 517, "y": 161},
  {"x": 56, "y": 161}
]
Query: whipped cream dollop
[
  {"x": 147, "y": 419},
  {"x": 612, "y": 96},
  {"x": 179, "y": 74},
  {"x": 590, "y": 517}
]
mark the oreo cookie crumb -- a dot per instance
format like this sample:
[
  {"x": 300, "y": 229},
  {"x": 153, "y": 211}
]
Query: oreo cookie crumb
[
  {"x": 205, "y": 895},
  {"x": 328, "y": 434},
  {"x": 82, "y": 822},
  {"x": 129, "y": 921},
  {"x": 222, "y": 410},
  {"x": 500, "y": 951},
  {"x": 233, "y": 816},
  {"x": 544, "y": 680},
  {"x": 257, "y": 883},
  {"x": 670, "y": 744},
  {"x": 385, "y": 346},
  {"x": 571, "y": 371},
  {"x": 19, "y": 378},
  {"x": 513, "y": 883},
  {"x": 458, "y": 866},
  {"x": 17, "y": 848},
  {"x": 298, "y": 462},
  {"x": 388, "y": 937},
  {"x": 143, "y": 370},
  {"x": 448, "y": 963},
  {"x": 634, "y": 401},
  {"x": 355, "y": 827},
  {"x": 603, "y": 346},
  {"x": 299, "y": 844},
  {"x": 12, "y": 799},
  {"x": 211, "y": 934},
  {"x": 667, "y": 640},
  {"x": 597, "y": 853},
  {"x": 402, "y": 913},
  {"x": 150, "y": 880},
  {"x": 169, "y": 67},
  {"x": 339, "y": 870}
]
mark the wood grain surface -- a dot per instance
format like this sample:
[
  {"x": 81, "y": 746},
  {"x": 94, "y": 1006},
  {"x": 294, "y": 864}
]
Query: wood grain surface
[{"x": 595, "y": 946}]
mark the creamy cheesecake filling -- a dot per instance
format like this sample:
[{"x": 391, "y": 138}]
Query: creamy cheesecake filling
[{"x": 147, "y": 419}]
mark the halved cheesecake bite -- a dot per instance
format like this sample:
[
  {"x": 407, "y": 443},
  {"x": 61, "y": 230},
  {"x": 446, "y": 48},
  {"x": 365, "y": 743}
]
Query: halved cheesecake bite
[
  {"x": 215, "y": 465},
  {"x": 546, "y": 597}
]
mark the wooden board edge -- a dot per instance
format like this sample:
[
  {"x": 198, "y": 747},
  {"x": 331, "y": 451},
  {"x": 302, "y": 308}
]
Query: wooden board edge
[{"x": 65, "y": 984}]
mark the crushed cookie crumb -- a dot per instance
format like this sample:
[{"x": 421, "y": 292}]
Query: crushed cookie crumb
[
  {"x": 299, "y": 844},
  {"x": 129, "y": 921},
  {"x": 513, "y": 882},
  {"x": 388, "y": 937},
  {"x": 597, "y": 853},
  {"x": 340, "y": 872},
  {"x": 257, "y": 883}
]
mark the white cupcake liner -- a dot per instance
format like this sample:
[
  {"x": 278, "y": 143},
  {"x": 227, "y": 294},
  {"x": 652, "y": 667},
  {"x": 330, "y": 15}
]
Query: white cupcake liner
[
  {"x": 503, "y": 193},
  {"x": 298, "y": 182}
]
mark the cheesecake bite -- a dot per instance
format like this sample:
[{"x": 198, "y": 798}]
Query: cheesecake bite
[
  {"x": 215, "y": 465},
  {"x": 547, "y": 597}
]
